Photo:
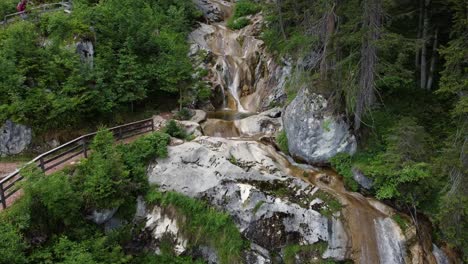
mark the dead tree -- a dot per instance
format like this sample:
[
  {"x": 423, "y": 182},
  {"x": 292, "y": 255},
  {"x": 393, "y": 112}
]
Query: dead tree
[{"x": 372, "y": 23}]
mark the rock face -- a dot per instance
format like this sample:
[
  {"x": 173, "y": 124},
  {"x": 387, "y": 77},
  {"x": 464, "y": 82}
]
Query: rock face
[
  {"x": 243, "y": 179},
  {"x": 85, "y": 49},
  {"x": 361, "y": 179},
  {"x": 267, "y": 123},
  {"x": 240, "y": 71},
  {"x": 14, "y": 138},
  {"x": 314, "y": 134}
]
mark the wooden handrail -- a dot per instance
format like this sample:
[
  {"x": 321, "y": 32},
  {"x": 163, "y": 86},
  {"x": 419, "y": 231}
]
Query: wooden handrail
[
  {"x": 43, "y": 7},
  {"x": 125, "y": 131}
]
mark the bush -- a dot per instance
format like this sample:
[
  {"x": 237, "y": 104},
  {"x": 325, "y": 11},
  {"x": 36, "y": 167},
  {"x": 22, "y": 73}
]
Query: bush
[
  {"x": 245, "y": 8},
  {"x": 282, "y": 141},
  {"x": 342, "y": 163},
  {"x": 184, "y": 114},
  {"x": 12, "y": 245},
  {"x": 103, "y": 178},
  {"x": 238, "y": 23},
  {"x": 175, "y": 130}
]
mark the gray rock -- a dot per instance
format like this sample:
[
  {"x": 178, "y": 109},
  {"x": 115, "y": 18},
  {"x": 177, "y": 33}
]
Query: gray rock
[
  {"x": 240, "y": 177},
  {"x": 14, "y": 138},
  {"x": 85, "y": 49},
  {"x": 192, "y": 128},
  {"x": 159, "y": 122},
  {"x": 440, "y": 255},
  {"x": 266, "y": 123},
  {"x": 314, "y": 134},
  {"x": 337, "y": 242},
  {"x": 361, "y": 179},
  {"x": 213, "y": 12},
  {"x": 101, "y": 216},
  {"x": 199, "y": 116}
]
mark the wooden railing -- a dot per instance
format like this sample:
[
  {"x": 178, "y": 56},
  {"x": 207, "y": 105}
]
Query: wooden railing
[
  {"x": 66, "y": 6},
  {"x": 64, "y": 153}
]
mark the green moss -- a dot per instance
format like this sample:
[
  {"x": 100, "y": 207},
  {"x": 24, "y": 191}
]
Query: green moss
[
  {"x": 401, "y": 221},
  {"x": 343, "y": 163},
  {"x": 282, "y": 141},
  {"x": 331, "y": 204},
  {"x": 309, "y": 251},
  {"x": 257, "y": 206},
  {"x": 238, "y": 23}
]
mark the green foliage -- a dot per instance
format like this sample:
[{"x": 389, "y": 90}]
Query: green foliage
[
  {"x": 175, "y": 130},
  {"x": 104, "y": 180},
  {"x": 245, "y": 8},
  {"x": 165, "y": 259},
  {"x": 314, "y": 251},
  {"x": 183, "y": 114},
  {"x": 238, "y": 23},
  {"x": 242, "y": 9},
  {"x": 204, "y": 224},
  {"x": 257, "y": 206},
  {"x": 140, "y": 52},
  {"x": 332, "y": 205},
  {"x": 282, "y": 141},
  {"x": 12, "y": 245},
  {"x": 342, "y": 163},
  {"x": 402, "y": 222}
]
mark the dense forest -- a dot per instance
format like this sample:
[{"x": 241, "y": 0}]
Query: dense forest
[{"x": 397, "y": 69}]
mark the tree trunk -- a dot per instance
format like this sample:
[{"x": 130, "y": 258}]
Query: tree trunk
[
  {"x": 430, "y": 80},
  {"x": 368, "y": 65},
  {"x": 417, "y": 62},
  {"x": 280, "y": 16},
  {"x": 424, "y": 45},
  {"x": 330, "y": 29}
]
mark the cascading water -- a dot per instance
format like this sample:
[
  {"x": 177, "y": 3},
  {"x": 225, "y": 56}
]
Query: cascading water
[{"x": 372, "y": 236}]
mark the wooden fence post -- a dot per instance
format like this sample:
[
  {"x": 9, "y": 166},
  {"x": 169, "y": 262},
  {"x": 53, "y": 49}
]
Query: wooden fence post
[
  {"x": 152, "y": 124},
  {"x": 41, "y": 164},
  {"x": 2, "y": 196},
  {"x": 85, "y": 149}
]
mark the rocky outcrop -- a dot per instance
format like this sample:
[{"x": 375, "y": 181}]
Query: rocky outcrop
[
  {"x": 267, "y": 123},
  {"x": 361, "y": 179},
  {"x": 314, "y": 133},
  {"x": 244, "y": 179},
  {"x": 214, "y": 11},
  {"x": 242, "y": 74},
  {"x": 14, "y": 138},
  {"x": 101, "y": 216},
  {"x": 85, "y": 49}
]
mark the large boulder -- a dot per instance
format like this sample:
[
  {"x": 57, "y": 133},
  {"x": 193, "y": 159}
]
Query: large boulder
[
  {"x": 314, "y": 133},
  {"x": 14, "y": 138},
  {"x": 266, "y": 123}
]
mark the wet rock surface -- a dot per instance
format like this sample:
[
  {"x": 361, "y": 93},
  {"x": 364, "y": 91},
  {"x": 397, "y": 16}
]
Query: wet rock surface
[
  {"x": 14, "y": 138},
  {"x": 314, "y": 134},
  {"x": 240, "y": 178}
]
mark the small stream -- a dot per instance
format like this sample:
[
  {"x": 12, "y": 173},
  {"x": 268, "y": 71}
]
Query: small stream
[{"x": 373, "y": 237}]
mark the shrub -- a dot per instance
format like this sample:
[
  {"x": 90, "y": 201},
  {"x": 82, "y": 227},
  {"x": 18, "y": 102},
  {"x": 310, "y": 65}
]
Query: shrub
[
  {"x": 103, "y": 178},
  {"x": 184, "y": 114},
  {"x": 245, "y": 8},
  {"x": 175, "y": 130},
  {"x": 12, "y": 245},
  {"x": 342, "y": 163},
  {"x": 282, "y": 141},
  {"x": 238, "y": 23}
]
